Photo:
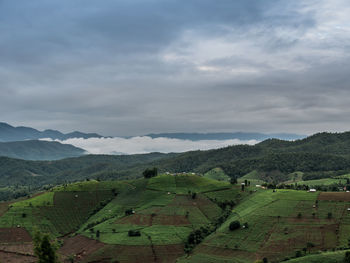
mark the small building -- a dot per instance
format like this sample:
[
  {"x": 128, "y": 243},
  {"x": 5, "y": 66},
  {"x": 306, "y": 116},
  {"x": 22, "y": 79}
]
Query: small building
[{"x": 312, "y": 190}]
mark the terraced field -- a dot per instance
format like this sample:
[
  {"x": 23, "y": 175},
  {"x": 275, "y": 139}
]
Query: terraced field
[
  {"x": 280, "y": 224},
  {"x": 93, "y": 221},
  {"x": 164, "y": 209}
]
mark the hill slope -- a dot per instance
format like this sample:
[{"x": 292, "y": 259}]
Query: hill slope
[
  {"x": 39, "y": 150},
  {"x": 227, "y": 136},
  {"x": 163, "y": 210},
  {"x": 9, "y": 133},
  {"x": 319, "y": 156},
  {"x": 182, "y": 218}
]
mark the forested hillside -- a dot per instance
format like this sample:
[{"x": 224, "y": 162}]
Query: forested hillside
[
  {"x": 39, "y": 150},
  {"x": 318, "y": 156}
]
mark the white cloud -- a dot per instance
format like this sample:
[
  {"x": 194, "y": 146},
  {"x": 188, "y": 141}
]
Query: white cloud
[{"x": 145, "y": 144}]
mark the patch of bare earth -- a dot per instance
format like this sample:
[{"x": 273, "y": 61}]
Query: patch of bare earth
[
  {"x": 79, "y": 247},
  {"x": 223, "y": 252},
  {"x": 155, "y": 219},
  {"x": 16, "y": 246},
  {"x": 7, "y": 257},
  {"x": 136, "y": 254},
  {"x": 3, "y": 208},
  {"x": 334, "y": 196},
  {"x": 297, "y": 238},
  {"x": 136, "y": 219},
  {"x": 14, "y": 235}
]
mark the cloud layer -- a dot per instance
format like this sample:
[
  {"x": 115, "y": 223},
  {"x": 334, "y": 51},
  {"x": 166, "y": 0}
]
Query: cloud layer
[
  {"x": 137, "y": 67},
  {"x": 145, "y": 144}
]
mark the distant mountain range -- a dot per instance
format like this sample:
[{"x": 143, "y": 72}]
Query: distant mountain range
[
  {"x": 9, "y": 133},
  {"x": 39, "y": 150},
  {"x": 228, "y": 136}
]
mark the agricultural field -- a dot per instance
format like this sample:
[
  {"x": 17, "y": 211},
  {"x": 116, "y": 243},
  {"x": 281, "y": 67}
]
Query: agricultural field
[
  {"x": 217, "y": 174},
  {"x": 151, "y": 220},
  {"x": 164, "y": 210},
  {"x": 279, "y": 225},
  {"x": 254, "y": 177}
]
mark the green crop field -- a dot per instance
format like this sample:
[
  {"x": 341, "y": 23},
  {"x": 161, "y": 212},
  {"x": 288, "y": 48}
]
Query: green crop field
[
  {"x": 329, "y": 257},
  {"x": 217, "y": 174},
  {"x": 279, "y": 224},
  {"x": 166, "y": 210}
]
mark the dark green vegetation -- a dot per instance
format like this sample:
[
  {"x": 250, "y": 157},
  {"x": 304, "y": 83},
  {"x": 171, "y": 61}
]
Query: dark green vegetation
[
  {"x": 19, "y": 178},
  {"x": 39, "y": 150},
  {"x": 322, "y": 155},
  {"x": 227, "y": 136}
]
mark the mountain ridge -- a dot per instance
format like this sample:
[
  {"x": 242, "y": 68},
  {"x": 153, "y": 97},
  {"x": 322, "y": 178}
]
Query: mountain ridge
[
  {"x": 10, "y": 133},
  {"x": 39, "y": 150},
  {"x": 227, "y": 136}
]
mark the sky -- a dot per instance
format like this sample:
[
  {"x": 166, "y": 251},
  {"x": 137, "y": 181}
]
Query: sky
[{"x": 133, "y": 67}]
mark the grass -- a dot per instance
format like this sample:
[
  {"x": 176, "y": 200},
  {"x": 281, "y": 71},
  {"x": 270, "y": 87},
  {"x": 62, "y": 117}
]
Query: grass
[
  {"x": 45, "y": 199},
  {"x": 217, "y": 174},
  {"x": 253, "y": 177},
  {"x": 329, "y": 257}
]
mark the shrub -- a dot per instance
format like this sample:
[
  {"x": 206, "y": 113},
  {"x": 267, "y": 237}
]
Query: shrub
[
  {"x": 134, "y": 233},
  {"x": 234, "y": 225},
  {"x": 149, "y": 173}
]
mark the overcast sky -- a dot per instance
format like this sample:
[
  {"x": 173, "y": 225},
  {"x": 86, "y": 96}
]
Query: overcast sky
[{"x": 129, "y": 67}]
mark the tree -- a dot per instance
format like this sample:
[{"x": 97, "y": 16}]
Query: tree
[
  {"x": 329, "y": 216},
  {"x": 234, "y": 225},
  {"x": 309, "y": 245},
  {"x": 347, "y": 257},
  {"x": 233, "y": 180},
  {"x": 44, "y": 249},
  {"x": 150, "y": 172}
]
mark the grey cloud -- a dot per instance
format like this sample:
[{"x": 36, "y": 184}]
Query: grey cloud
[{"x": 134, "y": 67}]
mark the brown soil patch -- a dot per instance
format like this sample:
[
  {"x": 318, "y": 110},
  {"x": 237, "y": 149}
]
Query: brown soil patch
[
  {"x": 168, "y": 253},
  {"x": 3, "y": 208},
  {"x": 25, "y": 248},
  {"x": 123, "y": 254},
  {"x": 224, "y": 252},
  {"x": 136, "y": 219},
  {"x": 170, "y": 220},
  {"x": 334, "y": 196},
  {"x": 16, "y": 258},
  {"x": 157, "y": 219},
  {"x": 320, "y": 236},
  {"x": 136, "y": 254},
  {"x": 79, "y": 246},
  {"x": 14, "y": 235}
]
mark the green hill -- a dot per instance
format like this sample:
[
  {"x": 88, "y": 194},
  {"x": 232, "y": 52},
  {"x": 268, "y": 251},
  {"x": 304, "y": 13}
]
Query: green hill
[
  {"x": 39, "y": 150},
  {"x": 320, "y": 156},
  {"x": 182, "y": 218},
  {"x": 163, "y": 210}
]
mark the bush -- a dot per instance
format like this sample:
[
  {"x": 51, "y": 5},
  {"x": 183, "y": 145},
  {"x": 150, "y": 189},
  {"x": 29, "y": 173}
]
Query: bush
[
  {"x": 149, "y": 173},
  {"x": 234, "y": 225},
  {"x": 134, "y": 233},
  {"x": 347, "y": 257}
]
